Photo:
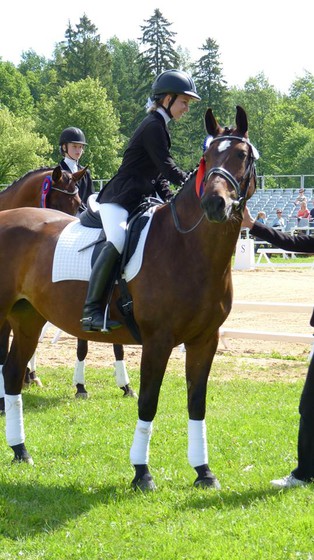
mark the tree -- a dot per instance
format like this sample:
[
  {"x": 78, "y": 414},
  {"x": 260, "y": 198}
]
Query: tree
[
  {"x": 259, "y": 99},
  {"x": 85, "y": 104},
  {"x": 40, "y": 75},
  {"x": 160, "y": 53},
  {"x": 211, "y": 85},
  {"x": 82, "y": 54},
  {"x": 126, "y": 78},
  {"x": 21, "y": 148},
  {"x": 14, "y": 91}
]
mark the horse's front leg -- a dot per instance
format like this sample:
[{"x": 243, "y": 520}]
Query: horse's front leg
[
  {"x": 154, "y": 361},
  {"x": 199, "y": 359},
  {"x": 26, "y": 329}
]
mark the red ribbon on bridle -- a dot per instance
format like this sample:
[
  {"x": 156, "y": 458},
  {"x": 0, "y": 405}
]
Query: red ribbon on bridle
[
  {"x": 45, "y": 188},
  {"x": 199, "y": 181}
]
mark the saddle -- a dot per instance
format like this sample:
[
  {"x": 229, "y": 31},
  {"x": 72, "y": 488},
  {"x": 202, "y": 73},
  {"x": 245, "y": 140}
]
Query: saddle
[{"x": 135, "y": 224}]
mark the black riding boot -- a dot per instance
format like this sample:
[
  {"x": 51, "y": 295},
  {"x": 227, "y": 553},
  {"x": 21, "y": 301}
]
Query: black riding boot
[{"x": 93, "y": 314}]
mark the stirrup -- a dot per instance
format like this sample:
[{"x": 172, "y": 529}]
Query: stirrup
[{"x": 88, "y": 325}]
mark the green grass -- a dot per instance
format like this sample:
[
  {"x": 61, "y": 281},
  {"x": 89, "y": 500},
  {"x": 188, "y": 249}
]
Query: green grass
[{"x": 76, "y": 502}]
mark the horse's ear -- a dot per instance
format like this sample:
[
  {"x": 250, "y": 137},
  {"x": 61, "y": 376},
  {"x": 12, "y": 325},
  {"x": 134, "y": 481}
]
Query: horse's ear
[
  {"x": 57, "y": 173},
  {"x": 241, "y": 121},
  {"x": 79, "y": 174},
  {"x": 211, "y": 124}
]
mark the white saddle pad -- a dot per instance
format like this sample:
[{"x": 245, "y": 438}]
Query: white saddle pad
[{"x": 69, "y": 263}]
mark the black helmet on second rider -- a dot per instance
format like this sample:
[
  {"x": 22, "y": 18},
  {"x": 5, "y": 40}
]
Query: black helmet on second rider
[
  {"x": 173, "y": 82},
  {"x": 72, "y": 134}
]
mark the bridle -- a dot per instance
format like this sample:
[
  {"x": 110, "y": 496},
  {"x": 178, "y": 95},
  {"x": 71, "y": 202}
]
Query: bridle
[
  {"x": 249, "y": 173},
  {"x": 47, "y": 186}
]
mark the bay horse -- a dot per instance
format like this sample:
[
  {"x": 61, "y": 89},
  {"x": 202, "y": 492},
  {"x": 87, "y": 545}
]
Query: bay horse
[
  {"x": 182, "y": 293},
  {"x": 54, "y": 188}
]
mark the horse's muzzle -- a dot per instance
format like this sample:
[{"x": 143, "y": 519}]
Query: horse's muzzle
[{"x": 215, "y": 208}]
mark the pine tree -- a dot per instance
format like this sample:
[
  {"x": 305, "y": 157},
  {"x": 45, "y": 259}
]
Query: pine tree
[
  {"x": 211, "y": 85},
  {"x": 160, "y": 54},
  {"x": 82, "y": 54}
]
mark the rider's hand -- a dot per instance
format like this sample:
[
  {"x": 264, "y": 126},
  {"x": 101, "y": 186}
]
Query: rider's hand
[{"x": 248, "y": 221}]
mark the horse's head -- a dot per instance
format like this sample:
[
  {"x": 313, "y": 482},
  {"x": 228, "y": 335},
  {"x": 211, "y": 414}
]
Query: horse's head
[
  {"x": 229, "y": 169},
  {"x": 63, "y": 191}
]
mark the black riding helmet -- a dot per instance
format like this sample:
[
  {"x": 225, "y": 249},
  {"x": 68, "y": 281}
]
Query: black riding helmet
[
  {"x": 72, "y": 134},
  {"x": 175, "y": 82}
]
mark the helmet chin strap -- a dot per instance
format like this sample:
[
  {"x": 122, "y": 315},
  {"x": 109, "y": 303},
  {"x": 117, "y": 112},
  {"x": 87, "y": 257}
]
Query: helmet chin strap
[{"x": 171, "y": 102}]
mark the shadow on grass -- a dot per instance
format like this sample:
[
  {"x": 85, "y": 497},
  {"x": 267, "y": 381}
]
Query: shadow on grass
[
  {"x": 232, "y": 499},
  {"x": 28, "y": 509}
]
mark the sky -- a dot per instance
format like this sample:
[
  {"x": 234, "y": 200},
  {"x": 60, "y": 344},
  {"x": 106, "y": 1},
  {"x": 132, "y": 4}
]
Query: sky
[{"x": 274, "y": 36}]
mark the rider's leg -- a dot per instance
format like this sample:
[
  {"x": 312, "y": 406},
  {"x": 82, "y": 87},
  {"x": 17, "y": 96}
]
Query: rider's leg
[{"x": 114, "y": 219}]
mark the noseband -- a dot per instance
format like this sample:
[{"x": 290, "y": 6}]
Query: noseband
[{"x": 249, "y": 172}]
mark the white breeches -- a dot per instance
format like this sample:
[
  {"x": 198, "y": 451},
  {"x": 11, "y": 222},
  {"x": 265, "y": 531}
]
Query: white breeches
[{"x": 114, "y": 218}]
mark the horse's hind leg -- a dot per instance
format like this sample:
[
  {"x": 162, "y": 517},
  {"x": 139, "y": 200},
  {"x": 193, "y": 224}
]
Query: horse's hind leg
[
  {"x": 120, "y": 372},
  {"x": 79, "y": 370},
  {"x": 4, "y": 349},
  {"x": 26, "y": 324}
]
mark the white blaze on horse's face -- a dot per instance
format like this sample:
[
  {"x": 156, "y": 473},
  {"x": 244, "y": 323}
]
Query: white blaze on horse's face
[{"x": 224, "y": 145}]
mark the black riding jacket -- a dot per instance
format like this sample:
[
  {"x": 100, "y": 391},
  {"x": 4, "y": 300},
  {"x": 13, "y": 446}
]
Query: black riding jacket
[{"x": 146, "y": 168}]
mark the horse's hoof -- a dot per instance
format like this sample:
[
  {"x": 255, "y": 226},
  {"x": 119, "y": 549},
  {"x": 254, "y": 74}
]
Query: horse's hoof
[
  {"x": 28, "y": 460},
  {"x": 128, "y": 392},
  {"x": 2, "y": 406},
  {"x": 21, "y": 454},
  {"x": 36, "y": 380},
  {"x": 207, "y": 482},
  {"x": 144, "y": 484},
  {"x": 81, "y": 392},
  {"x": 83, "y": 395}
]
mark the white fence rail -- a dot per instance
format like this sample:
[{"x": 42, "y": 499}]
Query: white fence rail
[{"x": 260, "y": 306}]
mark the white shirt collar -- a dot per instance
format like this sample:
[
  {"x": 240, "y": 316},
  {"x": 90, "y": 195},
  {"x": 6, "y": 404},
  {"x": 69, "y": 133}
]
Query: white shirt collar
[
  {"x": 72, "y": 164},
  {"x": 164, "y": 114}
]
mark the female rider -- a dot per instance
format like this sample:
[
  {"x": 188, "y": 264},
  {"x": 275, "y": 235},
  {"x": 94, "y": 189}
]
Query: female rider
[{"x": 146, "y": 169}]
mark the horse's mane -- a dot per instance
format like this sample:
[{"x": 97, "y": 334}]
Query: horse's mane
[{"x": 26, "y": 175}]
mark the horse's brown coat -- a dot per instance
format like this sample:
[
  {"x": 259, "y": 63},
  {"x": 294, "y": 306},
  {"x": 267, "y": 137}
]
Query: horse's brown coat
[{"x": 183, "y": 292}]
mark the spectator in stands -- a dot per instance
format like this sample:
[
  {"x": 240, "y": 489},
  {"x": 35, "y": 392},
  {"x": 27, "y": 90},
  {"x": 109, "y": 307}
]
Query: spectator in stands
[
  {"x": 261, "y": 217},
  {"x": 312, "y": 213},
  {"x": 300, "y": 198},
  {"x": 303, "y": 212},
  {"x": 279, "y": 221},
  {"x": 304, "y": 472}
]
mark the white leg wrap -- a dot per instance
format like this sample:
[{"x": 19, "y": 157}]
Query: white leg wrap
[
  {"x": 14, "y": 419},
  {"x": 121, "y": 373},
  {"x": 197, "y": 446},
  {"x": 1, "y": 383},
  {"x": 139, "y": 453},
  {"x": 78, "y": 376}
]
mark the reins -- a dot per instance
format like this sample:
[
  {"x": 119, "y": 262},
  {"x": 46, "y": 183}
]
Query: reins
[{"x": 176, "y": 219}]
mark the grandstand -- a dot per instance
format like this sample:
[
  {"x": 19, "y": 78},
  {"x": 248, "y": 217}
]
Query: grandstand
[{"x": 269, "y": 200}]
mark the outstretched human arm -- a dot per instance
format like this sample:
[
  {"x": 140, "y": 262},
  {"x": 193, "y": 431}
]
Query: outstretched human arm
[{"x": 286, "y": 241}]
